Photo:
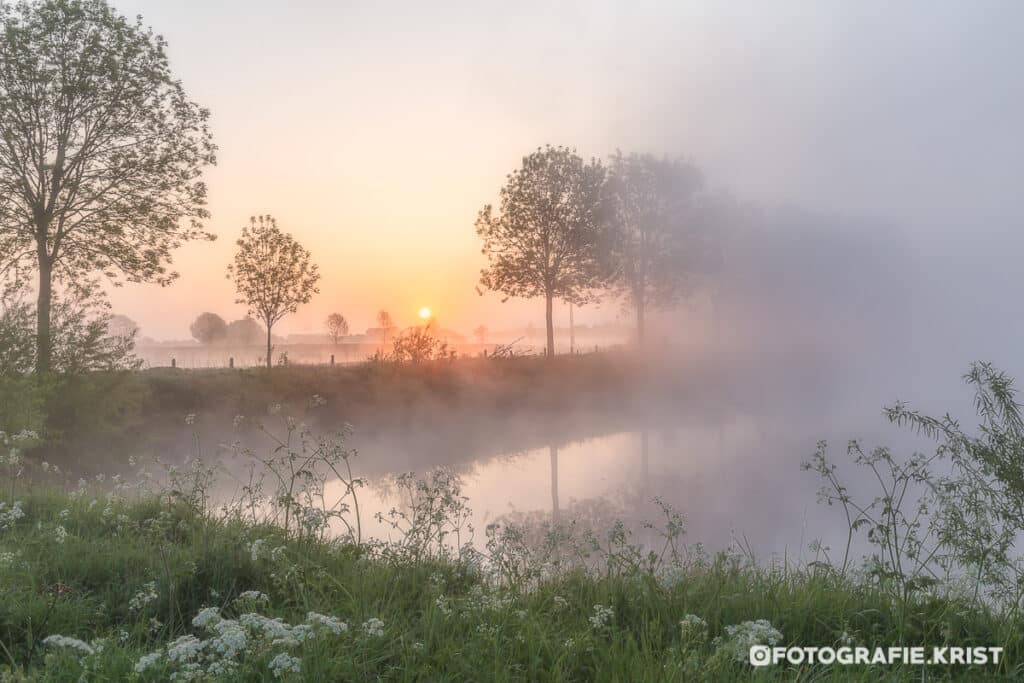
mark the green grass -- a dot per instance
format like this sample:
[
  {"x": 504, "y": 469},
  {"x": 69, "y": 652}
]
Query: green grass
[{"x": 442, "y": 620}]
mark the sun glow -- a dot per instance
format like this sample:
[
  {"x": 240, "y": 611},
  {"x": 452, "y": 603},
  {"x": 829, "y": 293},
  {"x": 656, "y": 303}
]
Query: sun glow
[{"x": 425, "y": 313}]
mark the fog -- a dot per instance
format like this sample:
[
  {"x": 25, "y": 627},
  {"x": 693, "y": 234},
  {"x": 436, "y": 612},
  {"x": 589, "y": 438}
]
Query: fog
[{"x": 875, "y": 151}]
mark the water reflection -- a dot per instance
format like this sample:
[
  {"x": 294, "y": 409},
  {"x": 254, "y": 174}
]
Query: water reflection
[{"x": 715, "y": 476}]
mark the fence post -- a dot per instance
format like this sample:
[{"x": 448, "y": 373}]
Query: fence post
[
  {"x": 332, "y": 359},
  {"x": 174, "y": 362},
  {"x": 231, "y": 362}
]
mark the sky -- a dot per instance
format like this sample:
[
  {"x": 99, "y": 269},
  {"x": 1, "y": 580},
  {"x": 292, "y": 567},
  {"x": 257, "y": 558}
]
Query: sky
[{"x": 374, "y": 132}]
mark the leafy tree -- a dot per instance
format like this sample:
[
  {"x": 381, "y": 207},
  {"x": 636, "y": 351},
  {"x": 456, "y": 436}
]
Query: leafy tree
[
  {"x": 385, "y": 323},
  {"x": 273, "y": 273},
  {"x": 209, "y": 328},
  {"x": 84, "y": 338},
  {"x": 101, "y": 150},
  {"x": 660, "y": 242},
  {"x": 545, "y": 241},
  {"x": 245, "y": 332},
  {"x": 122, "y": 326},
  {"x": 337, "y": 327}
]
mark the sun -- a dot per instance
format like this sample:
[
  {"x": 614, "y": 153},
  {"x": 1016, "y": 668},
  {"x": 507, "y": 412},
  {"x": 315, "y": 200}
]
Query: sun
[{"x": 425, "y": 313}]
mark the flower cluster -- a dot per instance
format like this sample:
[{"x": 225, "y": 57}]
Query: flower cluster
[
  {"x": 601, "y": 617},
  {"x": 374, "y": 627},
  {"x": 230, "y": 642},
  {"x": 9, "y": 516},
  {"x": 741, "y": 637},
  {"x": 69, "y": 643},
  {"x": 143, "y": 598}
]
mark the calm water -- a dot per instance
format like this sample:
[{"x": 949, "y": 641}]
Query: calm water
[{"x": 733, "y": 484}]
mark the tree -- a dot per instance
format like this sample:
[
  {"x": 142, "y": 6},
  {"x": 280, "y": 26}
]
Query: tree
[
  {"x": 659, "y": 242},
  {"x": 480, "y": 332},
  {"x": 273, "y": 273},
  {"x": 122, "y": 326},
  {"x": 101, "y": 150},
  {"x": 337, "y": 327},
  {"x": 385, "y": 323},
  {"x": 244, "y": 332},
  {"x": 209, "y": 328},
  {"x": 86, "y": 337},
  {"x": 545, "y": 242}
]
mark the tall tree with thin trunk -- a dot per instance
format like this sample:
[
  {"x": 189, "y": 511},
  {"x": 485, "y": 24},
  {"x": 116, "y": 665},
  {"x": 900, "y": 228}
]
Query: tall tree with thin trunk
[
  {"x": 273, "y": 273},
  {"x": 660, "y": 242},
  {"x": 385, "y": 323},
  {"x": 337, "y": 327},
  {"x": 544, "y": 241},
  {"x": 101, "y": 150}
]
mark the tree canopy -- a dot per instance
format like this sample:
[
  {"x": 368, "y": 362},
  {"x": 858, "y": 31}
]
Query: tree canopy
[
  {"x": 544, "y": 240},
  {"x": 272, "y": 272},
  {"x": 101, "y": 150}
]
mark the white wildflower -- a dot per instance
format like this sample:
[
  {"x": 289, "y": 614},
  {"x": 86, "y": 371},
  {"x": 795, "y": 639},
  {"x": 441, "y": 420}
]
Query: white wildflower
[
  {"x": 206, "y": 617},
  {"x": 60, "y": 534},
  {"x": 190, "y": 419},
  {"x": 144, "y": 597},
  {"x": 284, "y": 664},
  {"x": 146, "y": 661},
  {"x": 601, "y": 617},
  {"x": 71, "y": 643},
  {"x": 252, "y": 596},
  {"x": 332, "y": 624},
  {"x": 741, "y": 637},
  {"x": 374, "y": 627},
  {"x": 184, "y": 649}
]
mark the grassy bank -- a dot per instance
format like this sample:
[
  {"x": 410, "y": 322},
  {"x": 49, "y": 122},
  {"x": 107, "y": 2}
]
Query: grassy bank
[{"x": 133, "y": 579}]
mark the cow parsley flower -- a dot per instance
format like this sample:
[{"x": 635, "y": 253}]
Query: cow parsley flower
[
  {"x": 332, "y": 624},
  {"x": 284, "y": 664},
  {"x": 70, "y": 643},
  {"x": 60, "y": 534},
  {"x": 374, "y": 627},
  {"x": 146, "y": 661},
  {"x": 144, "y": 597},
  {"x": 601, "y": 617},
  {"x": 741, "y": 637},
  {"x": 206, "y": 617}
]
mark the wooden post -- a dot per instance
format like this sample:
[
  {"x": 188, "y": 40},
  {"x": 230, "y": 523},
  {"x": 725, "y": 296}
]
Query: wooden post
[
  {"x": 174, "y": 363},
  {"x": 231, "y": 362},
  {"x": 332, "y": 359}
]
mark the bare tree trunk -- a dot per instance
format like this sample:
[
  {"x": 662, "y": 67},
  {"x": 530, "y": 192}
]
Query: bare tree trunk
[
  {"x": 44, "y": 342},
  {"x": 640, "y": 312},
  {"x": 555, "y": 512},
  {"x": 572, "y": 332},
  {"x": 551, "y": 328},
  {"x": 268, "y": 347}
]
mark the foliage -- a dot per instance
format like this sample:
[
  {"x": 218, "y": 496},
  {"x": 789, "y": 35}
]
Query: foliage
[
  {"x": 658, "y": 245},
  {"x": 953, "y": 517},
  {"x": 83, "y": 338},
  {"x": 245, "y": 332},
  {"x": 420, "y": 345},
  {"x": 273, "y": 273},
  {"x": 103, "y": 154},
  {"x": 337, "y": 327},
  {"x": 208, "y": 328},
  {"x": 545, "y": 241}
]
